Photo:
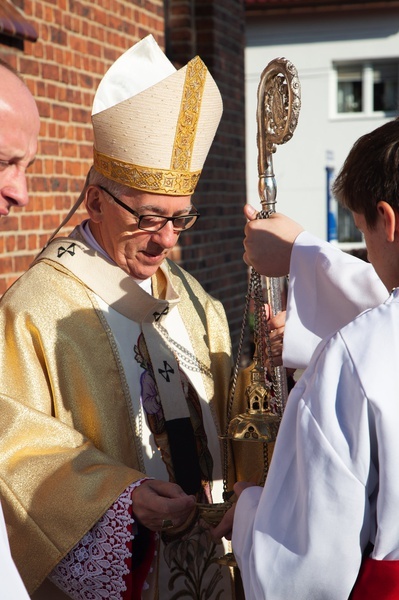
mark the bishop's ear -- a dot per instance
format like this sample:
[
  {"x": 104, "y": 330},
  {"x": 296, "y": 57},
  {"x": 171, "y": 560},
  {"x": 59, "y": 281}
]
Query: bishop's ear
[{"x": 94, "y": 200}]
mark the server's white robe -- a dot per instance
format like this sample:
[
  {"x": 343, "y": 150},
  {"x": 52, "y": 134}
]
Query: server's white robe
[
  {"x": 333, "y": 482},
  {"x": 328, "y": 288}
]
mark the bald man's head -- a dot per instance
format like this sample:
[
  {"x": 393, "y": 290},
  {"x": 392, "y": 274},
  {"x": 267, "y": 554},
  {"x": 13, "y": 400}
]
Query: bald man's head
[{"x": 19, "y": 130}]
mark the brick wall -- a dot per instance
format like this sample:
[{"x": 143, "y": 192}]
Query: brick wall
[
  {"x": 213, "y": 251},
  {"x": 77, "y": 42}
]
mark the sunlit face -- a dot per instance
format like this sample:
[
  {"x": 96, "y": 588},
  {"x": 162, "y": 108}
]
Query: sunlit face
[
  {"x": 19, "y": 129},
  {"x": 137, "y": 252}
]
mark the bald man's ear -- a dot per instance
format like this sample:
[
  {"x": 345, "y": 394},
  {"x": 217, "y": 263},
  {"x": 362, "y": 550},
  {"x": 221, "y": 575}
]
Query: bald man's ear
[
  {"x": 390, "y": 220},
  {"x": 94, "y": 202}
]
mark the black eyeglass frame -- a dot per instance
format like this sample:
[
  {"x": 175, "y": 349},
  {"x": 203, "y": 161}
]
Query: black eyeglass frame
[{"x": 195, "y": 215}]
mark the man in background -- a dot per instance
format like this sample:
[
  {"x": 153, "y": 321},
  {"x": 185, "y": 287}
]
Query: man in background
[{"x": 19, "y": 129}]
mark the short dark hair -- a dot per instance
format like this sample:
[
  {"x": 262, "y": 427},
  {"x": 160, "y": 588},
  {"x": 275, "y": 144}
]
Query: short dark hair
[{"x": 371, "y": 173}]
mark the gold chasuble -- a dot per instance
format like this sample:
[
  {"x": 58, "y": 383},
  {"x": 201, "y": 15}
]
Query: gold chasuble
[{"x": 70, "y": 433}]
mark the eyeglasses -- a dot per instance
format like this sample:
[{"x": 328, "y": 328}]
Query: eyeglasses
[{"x": 156, "y": 222}]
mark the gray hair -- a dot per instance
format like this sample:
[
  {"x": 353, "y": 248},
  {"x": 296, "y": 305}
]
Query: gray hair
[{"x": 96, "y": 178}]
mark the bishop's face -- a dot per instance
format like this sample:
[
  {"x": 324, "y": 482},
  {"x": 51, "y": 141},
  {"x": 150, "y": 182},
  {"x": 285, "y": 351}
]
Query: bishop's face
[{"x": 139, "y": 253}]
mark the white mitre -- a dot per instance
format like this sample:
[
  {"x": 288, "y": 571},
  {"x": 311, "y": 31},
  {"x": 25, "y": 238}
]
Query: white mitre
[{"x": 153, "y": 125}]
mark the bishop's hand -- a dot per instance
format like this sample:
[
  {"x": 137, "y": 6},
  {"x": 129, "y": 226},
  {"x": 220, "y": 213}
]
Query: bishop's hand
[{"x": 161, "y": 505}]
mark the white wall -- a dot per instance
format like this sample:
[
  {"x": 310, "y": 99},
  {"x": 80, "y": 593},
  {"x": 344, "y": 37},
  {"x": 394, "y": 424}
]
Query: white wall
[{"x": 312, "y": 42}]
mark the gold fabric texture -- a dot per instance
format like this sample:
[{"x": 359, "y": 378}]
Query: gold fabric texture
[
  {"x": 157, "y": 181},
  {"x": 64, "y": 458},
  {"x": 67, "y": 445},
  {"x": 190, "y": 108}
]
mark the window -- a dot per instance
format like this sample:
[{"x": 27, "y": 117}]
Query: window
[
  {"x": 367, "y": 87},
  {"x": 385, "y": 88},
  {"x": 347, "y": 232},
  {"x": 340, "y": 225},
  {"x": 350, "y": 87}
]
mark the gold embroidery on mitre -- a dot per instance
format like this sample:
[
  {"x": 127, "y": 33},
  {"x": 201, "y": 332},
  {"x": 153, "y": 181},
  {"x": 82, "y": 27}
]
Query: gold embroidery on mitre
[
  {"x": 156, "y": 181},
  {"x": 190, "y": 107}
]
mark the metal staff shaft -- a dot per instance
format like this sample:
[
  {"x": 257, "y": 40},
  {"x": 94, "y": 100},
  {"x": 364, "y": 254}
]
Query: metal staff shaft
[
  {"x": 267, "y": 193},
  {"x": 277, "y": 117}
]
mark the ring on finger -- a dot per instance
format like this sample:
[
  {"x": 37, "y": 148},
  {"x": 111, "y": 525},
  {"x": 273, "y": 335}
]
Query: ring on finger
[{"x": 167, "y": 524}]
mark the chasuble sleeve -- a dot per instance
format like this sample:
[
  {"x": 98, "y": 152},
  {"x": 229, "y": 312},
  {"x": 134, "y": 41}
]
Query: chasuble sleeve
[
  {"x": 108, "y": 558},
  {"x": 64, "y": 458}
]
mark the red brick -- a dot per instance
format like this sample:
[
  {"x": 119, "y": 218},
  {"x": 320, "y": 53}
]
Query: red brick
[{"x": 63, "y": 68}]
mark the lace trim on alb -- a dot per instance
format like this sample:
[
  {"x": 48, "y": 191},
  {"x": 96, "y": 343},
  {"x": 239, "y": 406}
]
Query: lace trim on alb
[{"x": 94, "y": 569}]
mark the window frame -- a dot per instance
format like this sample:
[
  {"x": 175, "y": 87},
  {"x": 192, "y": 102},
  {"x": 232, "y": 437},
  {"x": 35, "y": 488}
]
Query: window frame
[{"x": 367, "y": 68}]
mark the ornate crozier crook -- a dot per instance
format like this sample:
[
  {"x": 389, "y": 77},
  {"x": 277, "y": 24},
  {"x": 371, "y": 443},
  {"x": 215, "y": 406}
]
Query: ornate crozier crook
[{"x": 277, "y": 115}]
